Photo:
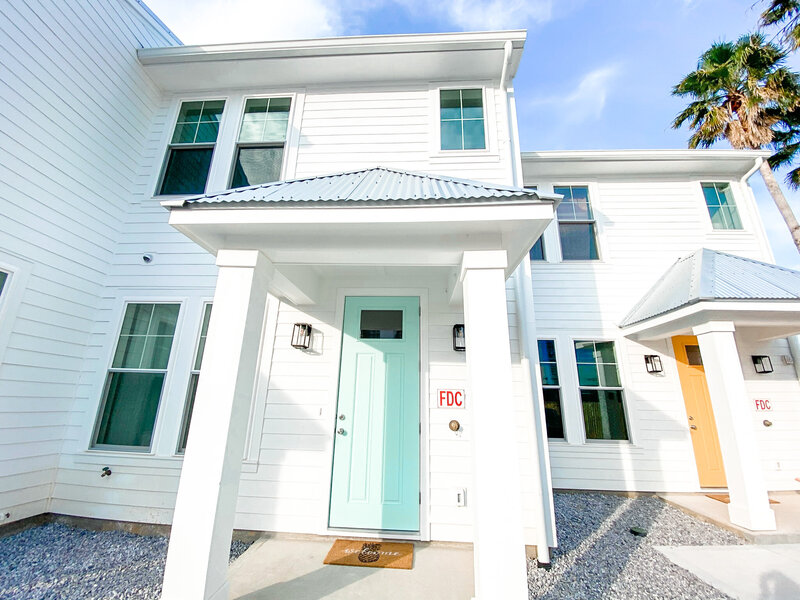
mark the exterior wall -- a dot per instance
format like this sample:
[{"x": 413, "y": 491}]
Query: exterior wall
[
  {"x": 76, "y": 108},
  {"x": 643, "y": 227}
]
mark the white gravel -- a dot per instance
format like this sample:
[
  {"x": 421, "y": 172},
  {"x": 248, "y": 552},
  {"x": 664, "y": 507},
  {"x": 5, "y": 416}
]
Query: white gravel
[
  {"x": 57, "y": 562},
  {"x": 598, "y": 557}
]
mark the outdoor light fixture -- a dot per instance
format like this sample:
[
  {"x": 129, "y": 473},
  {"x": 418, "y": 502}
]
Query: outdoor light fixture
[
  {"x": 301, "y": 336},
  {"x": 459, "y": 340},
  {"x": 762, "y": 364},
  {"x": 653, "y": 363}
]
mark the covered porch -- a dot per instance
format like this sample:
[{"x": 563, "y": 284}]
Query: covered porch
[
  {"x": 378, "y": 233},
  {"x": 715, "y": 308}
]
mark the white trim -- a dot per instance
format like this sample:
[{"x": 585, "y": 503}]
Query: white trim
[{"x": 424, "y": 533}]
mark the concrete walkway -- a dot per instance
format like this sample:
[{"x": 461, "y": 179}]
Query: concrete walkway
[
  {"x": 787, "y": 516},
  {"x": 291, "y": 567},
  {"x": 770, "y": 572}
]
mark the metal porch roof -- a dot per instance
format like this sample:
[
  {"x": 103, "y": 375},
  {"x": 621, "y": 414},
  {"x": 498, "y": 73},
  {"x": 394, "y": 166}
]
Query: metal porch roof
[
  {"x": 377, "y": 184},
  {"x": 708, "y": 275}
]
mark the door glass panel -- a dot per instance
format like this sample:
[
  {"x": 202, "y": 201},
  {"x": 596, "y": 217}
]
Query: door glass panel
[
  {"x": 693, "y": 355},
  {"x": 382, "y": 324}
]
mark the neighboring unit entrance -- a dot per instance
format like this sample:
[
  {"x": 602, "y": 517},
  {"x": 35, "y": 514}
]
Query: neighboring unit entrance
[
  {"x": 702, "y": 425},
  {"x": 375, "y": 482}
]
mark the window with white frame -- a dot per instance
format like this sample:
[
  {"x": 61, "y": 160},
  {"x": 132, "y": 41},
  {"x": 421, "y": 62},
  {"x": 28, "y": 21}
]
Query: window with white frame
[
  {"x": 576, "y": 223},
  {"x": 551, "y": 389},
  {"x": 721, "y": 207},
  {"x": 135, "y": 380},
  {"x": 259, "y": 151},
  {"x": 194, "y": 377},
  {"x": 192, "y": 147},
  {"x": 461, "y": 117},
  {"x": 601, "y": 391}
]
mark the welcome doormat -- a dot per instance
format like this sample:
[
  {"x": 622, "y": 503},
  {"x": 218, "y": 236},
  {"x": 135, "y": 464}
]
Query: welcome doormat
[
  {"x": 360, "y": 553},
  {"x": 727, "y": 499}
]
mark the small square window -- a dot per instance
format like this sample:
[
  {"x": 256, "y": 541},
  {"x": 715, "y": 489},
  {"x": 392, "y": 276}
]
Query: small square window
[
  {"x": 462, "y": 123},
  {"x": 721, "y": 208}
]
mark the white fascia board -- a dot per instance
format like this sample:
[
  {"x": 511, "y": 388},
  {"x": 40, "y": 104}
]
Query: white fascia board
[
  {"x": 633, "y": 163},
  {"x": 335, "y": 46},
  {"x": 675, "y": 322},
  {"x": 494, "y": 211}
]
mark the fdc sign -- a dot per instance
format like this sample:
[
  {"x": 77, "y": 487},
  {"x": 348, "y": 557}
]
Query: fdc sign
[{"x": 450, "y": 399}]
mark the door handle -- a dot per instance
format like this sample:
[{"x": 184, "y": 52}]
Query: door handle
[
  {"x": 340, "y": 431},
  {"x": 692, "y": 426}
]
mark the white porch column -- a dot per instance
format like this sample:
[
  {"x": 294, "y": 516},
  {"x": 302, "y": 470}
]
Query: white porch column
[
  {"x": 499, "y": 547},
  {"x": 197, "y": 560},
  {"x": 749, "y": 505}
]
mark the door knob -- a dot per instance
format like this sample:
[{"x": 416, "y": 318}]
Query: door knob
[
  {"x": 340, "y": 431},
  {"x": 692, "y": 426},
  {"x": 341, "y": 417}
]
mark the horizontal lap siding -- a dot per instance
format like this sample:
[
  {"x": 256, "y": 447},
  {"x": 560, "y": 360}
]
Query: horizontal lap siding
[
  {"x": 644, "y": 227},
  {"x": 75, "y": 111}
]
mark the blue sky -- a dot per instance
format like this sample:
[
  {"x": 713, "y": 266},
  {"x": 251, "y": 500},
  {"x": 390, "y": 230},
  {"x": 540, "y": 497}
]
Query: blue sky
[{"x": 596, "y": 74}]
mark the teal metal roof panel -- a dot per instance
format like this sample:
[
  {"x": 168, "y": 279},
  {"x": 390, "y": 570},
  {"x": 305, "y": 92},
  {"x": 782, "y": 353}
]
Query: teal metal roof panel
[
  {"x": 378, "y": 184},
  {"x": 708, "y": 275}
]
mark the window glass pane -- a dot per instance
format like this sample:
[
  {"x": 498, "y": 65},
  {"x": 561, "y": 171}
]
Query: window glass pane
[
  {"x": 604, "y": 415},
  {"x": 450, "y": 104},
  {"x": 129, "y": 411},
  {"x": 165, "y": 318},
  {"x": 693, "y": 356},
  {"x": 451, "y": 135},
  {"x": 212, "y": 111},
  {"x": 156, "y": 352},
  {"x": 137, "y": 319},
  {"x": 280, "y": 105},
  {"x": 187, "y": 171},
  {"x": 3, "y": 278},
  {"x": 201, "y": 345},
  {"x": 129, "y": 352},
  {"x": 207, "y": 133},
  {"x": 537, "y": 252},
  {"x": 474, "y": 138},
  {"x": 265, "y": 120},
  {"x": 584, "y": 352},
  {"x": 552, "y": 413},
  {"x": 547, "y": 351},
  {"x": 187, "y": 419},
  {"x": 198, "y": 122},
  {"x": 472, "y": 104},
  {"x": 609, "y": 376},
  {"x": 184, "y": 133},
  {"x": 549, "y": 373},
  {"x": 604, "y": 352},
  {"x": 190, "y": 112},
  {"x": 255, "y": 166},
  {"x": 588, "y": 375},
  {"x": 578, "y": 241},
  {"x": 717, "y": 217},
  {"x": 382, "y": 324},
  {"x": 547, "y": 362},
  {"x": 732, "y": 217},
  {"x": 710, "y": 193}
]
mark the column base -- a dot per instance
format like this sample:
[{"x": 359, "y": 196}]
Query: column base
[{"x": 754, "y": 520}]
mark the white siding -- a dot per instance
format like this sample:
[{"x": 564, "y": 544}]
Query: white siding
[{"x": 75, "y": 108}]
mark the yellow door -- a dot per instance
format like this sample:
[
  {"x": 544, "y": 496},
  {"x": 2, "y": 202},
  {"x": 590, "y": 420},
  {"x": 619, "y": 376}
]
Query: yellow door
[{"x": 702, "y": 425}]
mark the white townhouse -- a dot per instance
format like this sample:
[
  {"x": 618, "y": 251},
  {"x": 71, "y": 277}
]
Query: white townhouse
[{"x": 315, "y": 286}]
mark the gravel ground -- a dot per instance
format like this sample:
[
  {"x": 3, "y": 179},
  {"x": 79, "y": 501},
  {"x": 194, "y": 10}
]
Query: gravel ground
[
  {"x": 57, "y": 562},
  {"x": 598, "y": 557}
]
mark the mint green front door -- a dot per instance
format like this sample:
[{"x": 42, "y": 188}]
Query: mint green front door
[{"x": 375, "y": 481}]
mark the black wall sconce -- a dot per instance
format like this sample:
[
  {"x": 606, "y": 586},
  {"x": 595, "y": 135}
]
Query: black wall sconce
[
  {"x": 763, "y": 364},
  {"x": 301, "y": 336},
  {"x": 653, "y": 363},
  {"x": 459, "y": 338}
]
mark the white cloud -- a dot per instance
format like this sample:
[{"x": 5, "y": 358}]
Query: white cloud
[
  {"x": 588, "y": 99},
  {"x": 248, "y": 20}
]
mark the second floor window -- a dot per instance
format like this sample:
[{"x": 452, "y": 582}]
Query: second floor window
[
  {"x": 461, "y": 120},
  {"x": 191, "y": 147},
  {"x": 721, "y": 207},
  {"x": 576, "y": 224},
  {"x": 259, "y": 153}
]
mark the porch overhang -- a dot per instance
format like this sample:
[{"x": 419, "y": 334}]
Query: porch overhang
[{"x": 374, "y": 218}]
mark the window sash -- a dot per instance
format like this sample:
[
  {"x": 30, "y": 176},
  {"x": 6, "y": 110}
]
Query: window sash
[
  {"x": 194, "y": 377},
  {"x": 462, "y": 124},
  {"x": 722, "y": 209}
]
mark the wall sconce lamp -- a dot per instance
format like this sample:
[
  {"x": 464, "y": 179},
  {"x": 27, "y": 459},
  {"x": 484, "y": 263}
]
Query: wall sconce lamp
[
  {"x": 763, "y": 364},
  {"x": 459, "y": 338},
  {"x": 653, "y": 363},
  {"x": 301, "y": 336}
]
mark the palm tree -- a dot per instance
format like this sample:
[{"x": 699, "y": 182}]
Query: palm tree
[
  {"x": 742, "y": 92},
  {"x": 786, "y": 14}
]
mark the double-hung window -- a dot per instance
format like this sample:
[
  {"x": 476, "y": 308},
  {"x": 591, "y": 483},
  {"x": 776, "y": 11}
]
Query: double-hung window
[
  {"x": 259, "y": 152},
  {"x": 461, "y": 118},
  {"x": 136, "y": 378},
  {"x": 191, "y": 147},
  {"x": 551, "y": 389},
  {"x": 194, "y": 377},
  {"x": 601, "y": 391},
  {"x": 721, "y": 207},
  {"x": 576, "y": 223}
]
